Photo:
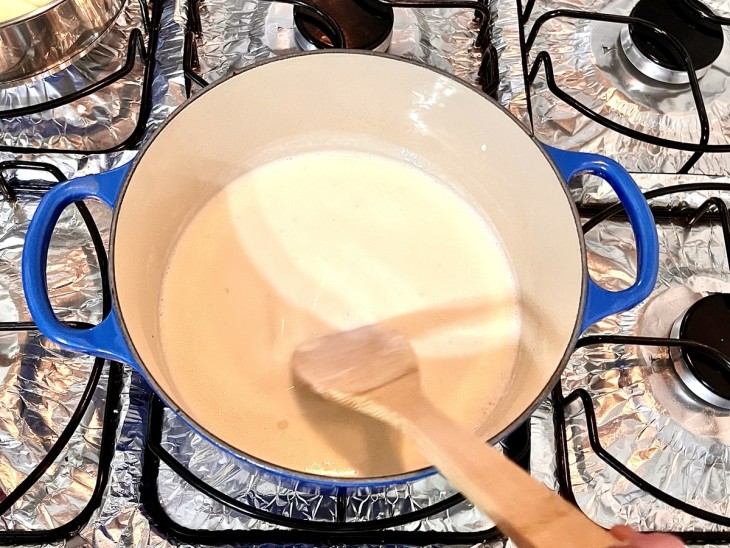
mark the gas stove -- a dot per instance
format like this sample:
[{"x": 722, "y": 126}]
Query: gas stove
[{"x": 637, "y": 431}]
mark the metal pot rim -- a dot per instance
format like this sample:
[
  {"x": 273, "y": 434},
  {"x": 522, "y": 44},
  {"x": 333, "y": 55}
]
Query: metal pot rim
[{"x": 53, "y": 36}]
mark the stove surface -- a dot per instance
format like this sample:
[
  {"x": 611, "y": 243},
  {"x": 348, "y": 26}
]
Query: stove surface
[
  {"x": 88, "y": 454},
  {"x": 569, "y": 80}
]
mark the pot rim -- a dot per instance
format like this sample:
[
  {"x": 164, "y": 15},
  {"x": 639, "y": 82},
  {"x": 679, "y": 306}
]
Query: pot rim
[
  {"x": 295, "y": 475},
  {"x": 50, "y": 55}
]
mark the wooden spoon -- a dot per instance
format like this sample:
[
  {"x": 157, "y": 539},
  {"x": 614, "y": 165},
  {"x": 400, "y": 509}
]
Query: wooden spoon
[{"x": 375, "y": 371}]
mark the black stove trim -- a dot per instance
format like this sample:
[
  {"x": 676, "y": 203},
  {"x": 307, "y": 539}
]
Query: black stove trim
[
  {"x": 10, "y": 190},
  {"x": 136, "y": 50}
]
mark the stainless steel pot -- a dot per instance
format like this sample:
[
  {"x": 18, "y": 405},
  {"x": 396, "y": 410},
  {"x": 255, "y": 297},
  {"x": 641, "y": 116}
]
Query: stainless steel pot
[
  {"x": 376, "y": 104},
  {"x": 50, "y": 37}
]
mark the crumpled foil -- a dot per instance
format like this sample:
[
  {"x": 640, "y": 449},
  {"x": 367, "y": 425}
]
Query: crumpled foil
[
  {"x": 105, "y": 118},
  {"x": 41, "y": 384},
  {"x": 589, "y": 66},
  {"x": 506, "y": 40},
  {"x": 37, "y": 400},
  {"x": 168, "y": 84},
  {"x": 232, "y": 476},
  {"x": 646, "y": 418},
  {"x": 237, "y": 34}
]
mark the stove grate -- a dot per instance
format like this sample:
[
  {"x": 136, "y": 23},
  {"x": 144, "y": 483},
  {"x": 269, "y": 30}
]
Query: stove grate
[
  {"x": 543, "y": 60},
  {"x": 10, "y": 189},
  {"x": 301, "y": 530}
]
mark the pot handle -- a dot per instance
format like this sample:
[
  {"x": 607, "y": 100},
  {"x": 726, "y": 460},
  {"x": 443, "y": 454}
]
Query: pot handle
[
  {"x": 601, "y": 302},
  {"x": 106, "y": 339}
]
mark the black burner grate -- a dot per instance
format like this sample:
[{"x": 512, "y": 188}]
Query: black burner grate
[
  {"x": 10, "y": 189},
  {"x": 671, "y": 45},
  {"x": 137, "y": 51},
  {"x": 517, "y": 446},
  {"x": 710, "y": 211}
]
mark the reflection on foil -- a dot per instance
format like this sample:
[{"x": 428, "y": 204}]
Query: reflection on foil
[
  {"x": 41, "y": 384},
  {"x": 91, "y": 113},
  {"x": 590, "y": 67},
  {"x": 506, "y": 40},
  {"x": 646, "y": 417},
  {"x": 591, "y": 190},
  {"x": 237, "y": 34},
  {"x": 97, "y": 122},
  {"x": 168, "y": 83}
]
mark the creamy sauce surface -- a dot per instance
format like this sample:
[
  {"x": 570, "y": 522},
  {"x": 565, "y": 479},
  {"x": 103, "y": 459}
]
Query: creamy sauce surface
[
  {"x": 329, "y": 241},
  {"x": 10, "y": 9}
]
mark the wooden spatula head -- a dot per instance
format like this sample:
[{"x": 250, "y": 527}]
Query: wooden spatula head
[
  {"x": 370, "y": 368},
  {"x": 375, "y": 371}
]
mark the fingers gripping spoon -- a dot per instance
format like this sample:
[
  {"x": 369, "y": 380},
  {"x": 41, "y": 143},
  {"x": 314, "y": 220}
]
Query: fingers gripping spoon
[{"x": 375, "y": 371}]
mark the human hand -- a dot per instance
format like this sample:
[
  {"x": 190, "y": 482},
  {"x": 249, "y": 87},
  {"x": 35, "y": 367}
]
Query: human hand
[{"x": 629, "y": 538}]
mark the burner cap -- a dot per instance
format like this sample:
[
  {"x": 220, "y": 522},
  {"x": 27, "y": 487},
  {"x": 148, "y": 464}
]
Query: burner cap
[
  {"x": 651, "y": 55},
  {"x": 365, "y": 24},
  {"x": 708, "y": 322}
]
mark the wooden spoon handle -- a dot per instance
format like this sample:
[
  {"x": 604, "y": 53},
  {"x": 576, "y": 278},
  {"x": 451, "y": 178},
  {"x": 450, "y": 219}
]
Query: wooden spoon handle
[{"x": 525, "y": 510}]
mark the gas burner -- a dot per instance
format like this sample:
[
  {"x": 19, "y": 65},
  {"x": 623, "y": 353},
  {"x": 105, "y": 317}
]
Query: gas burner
[
  {"x": 650, "y": 54},
  {"x": 706, "y": 321},
  {"x": 365, "y": 24}
]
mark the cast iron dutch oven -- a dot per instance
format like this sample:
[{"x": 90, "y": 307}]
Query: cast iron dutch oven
[{"x": 362, "y": 98}]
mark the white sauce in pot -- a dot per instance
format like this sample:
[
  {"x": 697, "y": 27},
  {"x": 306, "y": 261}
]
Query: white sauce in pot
[
  {"x": 321, "y": 242},
  {"x": 10, "y": 9}
]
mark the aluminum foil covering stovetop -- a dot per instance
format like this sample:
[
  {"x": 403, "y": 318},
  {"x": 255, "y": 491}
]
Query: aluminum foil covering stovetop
[
  {"x": 590, "y": 67},
  {"x": 645, "y": 416},
  {"x": 86, "y": 123},
  {"x": 42, "y": 384}
]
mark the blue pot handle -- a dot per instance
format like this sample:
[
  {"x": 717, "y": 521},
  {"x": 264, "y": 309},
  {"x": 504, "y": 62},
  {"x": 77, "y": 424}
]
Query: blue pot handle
[
  {"x": 106, "y": 339},
  {"x": 600, "y": 302}
]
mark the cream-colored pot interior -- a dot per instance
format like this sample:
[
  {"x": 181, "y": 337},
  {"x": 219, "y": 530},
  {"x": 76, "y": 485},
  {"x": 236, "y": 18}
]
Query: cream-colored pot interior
[{"x": 374, "y": 104}]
